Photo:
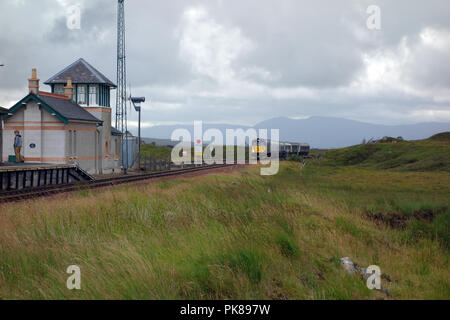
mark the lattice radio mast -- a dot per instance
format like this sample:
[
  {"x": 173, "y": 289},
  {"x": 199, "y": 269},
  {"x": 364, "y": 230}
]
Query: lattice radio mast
[{"x": 121, "y": 98}]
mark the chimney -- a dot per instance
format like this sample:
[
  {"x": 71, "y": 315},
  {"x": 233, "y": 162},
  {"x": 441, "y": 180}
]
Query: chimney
[
  {"x": 68, "y": 89},
  {"x": 33, "y": 83}
]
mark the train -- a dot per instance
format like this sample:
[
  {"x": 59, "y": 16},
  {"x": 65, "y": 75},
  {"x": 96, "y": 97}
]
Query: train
[{"x": 262, "y": 149}]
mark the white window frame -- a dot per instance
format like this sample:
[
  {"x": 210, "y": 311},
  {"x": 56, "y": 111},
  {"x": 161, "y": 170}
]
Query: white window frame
[
  {"x": 59, "y": 86},
  {"x": 93, "y": 95},
  {"x": 82, "y": 93}
]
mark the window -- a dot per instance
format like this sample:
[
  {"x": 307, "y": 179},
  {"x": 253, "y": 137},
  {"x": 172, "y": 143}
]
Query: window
[
  {"x": 74, "y": 146},
  {"x": 59, "y": 89},
  {"x": 81, "y": 94},
  {"x": 93, "y": 95}
]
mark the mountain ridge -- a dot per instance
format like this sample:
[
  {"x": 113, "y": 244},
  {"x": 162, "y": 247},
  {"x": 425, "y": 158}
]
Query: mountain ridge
[{"x": 321, "y": 132}]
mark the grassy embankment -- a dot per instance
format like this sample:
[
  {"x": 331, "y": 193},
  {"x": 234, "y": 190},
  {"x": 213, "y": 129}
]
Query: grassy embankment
[
  {"x": 240, "y": 235},
  {"x": 157, "y": 152},
  {"x": 425, "y": 155}
]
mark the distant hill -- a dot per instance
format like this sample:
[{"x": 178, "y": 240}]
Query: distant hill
[
  {"x": 160, "y": 142},
  {"x": 165, "y": 132},
  {"x": 325, "y": 132},
  {"x": 322, "y": 132},
  {"x": 444, "y": 136},
  {"x": 432, "y": 154}
]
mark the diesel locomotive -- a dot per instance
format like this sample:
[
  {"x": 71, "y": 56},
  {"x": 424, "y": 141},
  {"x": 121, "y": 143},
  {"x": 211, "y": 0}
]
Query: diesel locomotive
[{"x": 262, "y": 149}]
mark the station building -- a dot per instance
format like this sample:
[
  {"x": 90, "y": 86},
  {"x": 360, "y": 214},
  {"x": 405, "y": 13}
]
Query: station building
[{"x": 70, "y": 124}]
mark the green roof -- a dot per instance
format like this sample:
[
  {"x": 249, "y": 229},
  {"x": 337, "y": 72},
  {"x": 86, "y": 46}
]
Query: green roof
[{"x": 64, "y": 109}]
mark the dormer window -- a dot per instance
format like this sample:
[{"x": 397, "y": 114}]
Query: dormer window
[
  {"x": 81, "y": 94},
  {"x": 59, "y": 89},
  {"x": 91, "y": 87},
  {"x": 93, "y": 95}
]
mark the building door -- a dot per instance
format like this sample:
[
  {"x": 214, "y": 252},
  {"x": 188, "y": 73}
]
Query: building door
[
  {"x": 96, "y": 152},
  {"x": 99, "y": 157}
]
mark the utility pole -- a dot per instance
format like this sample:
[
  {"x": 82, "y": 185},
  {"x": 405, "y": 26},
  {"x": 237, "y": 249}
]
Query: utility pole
[
  {"x": 137, "y": 106},
  {"x": 121, "y": 97}
]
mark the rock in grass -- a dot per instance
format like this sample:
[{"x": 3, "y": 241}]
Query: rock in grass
[
  {"x": 353, "y": 268},
  {"x": 348, "y": 265}
]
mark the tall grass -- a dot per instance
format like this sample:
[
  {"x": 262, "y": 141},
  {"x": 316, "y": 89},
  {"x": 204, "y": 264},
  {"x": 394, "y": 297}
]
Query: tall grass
[{"x": 233, "y": 236}]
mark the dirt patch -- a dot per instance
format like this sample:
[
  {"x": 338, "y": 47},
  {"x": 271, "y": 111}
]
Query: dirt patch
[
  {"x": 394, "y": 220},
  {"x": 399, "y": 221}
]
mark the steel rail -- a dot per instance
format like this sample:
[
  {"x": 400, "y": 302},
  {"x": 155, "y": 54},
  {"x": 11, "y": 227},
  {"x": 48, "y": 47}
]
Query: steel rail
[{"x": 37, "y": 192}]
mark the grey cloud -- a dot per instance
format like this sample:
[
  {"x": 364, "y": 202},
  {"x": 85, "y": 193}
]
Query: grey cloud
[{"x": 316, "y": 45}]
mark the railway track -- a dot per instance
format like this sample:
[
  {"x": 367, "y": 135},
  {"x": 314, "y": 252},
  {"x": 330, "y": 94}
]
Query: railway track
[{"x": 31, "y": 193}]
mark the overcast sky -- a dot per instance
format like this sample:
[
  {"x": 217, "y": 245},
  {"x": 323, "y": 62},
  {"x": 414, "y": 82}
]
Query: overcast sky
[{"x": 241, "y": 62}]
